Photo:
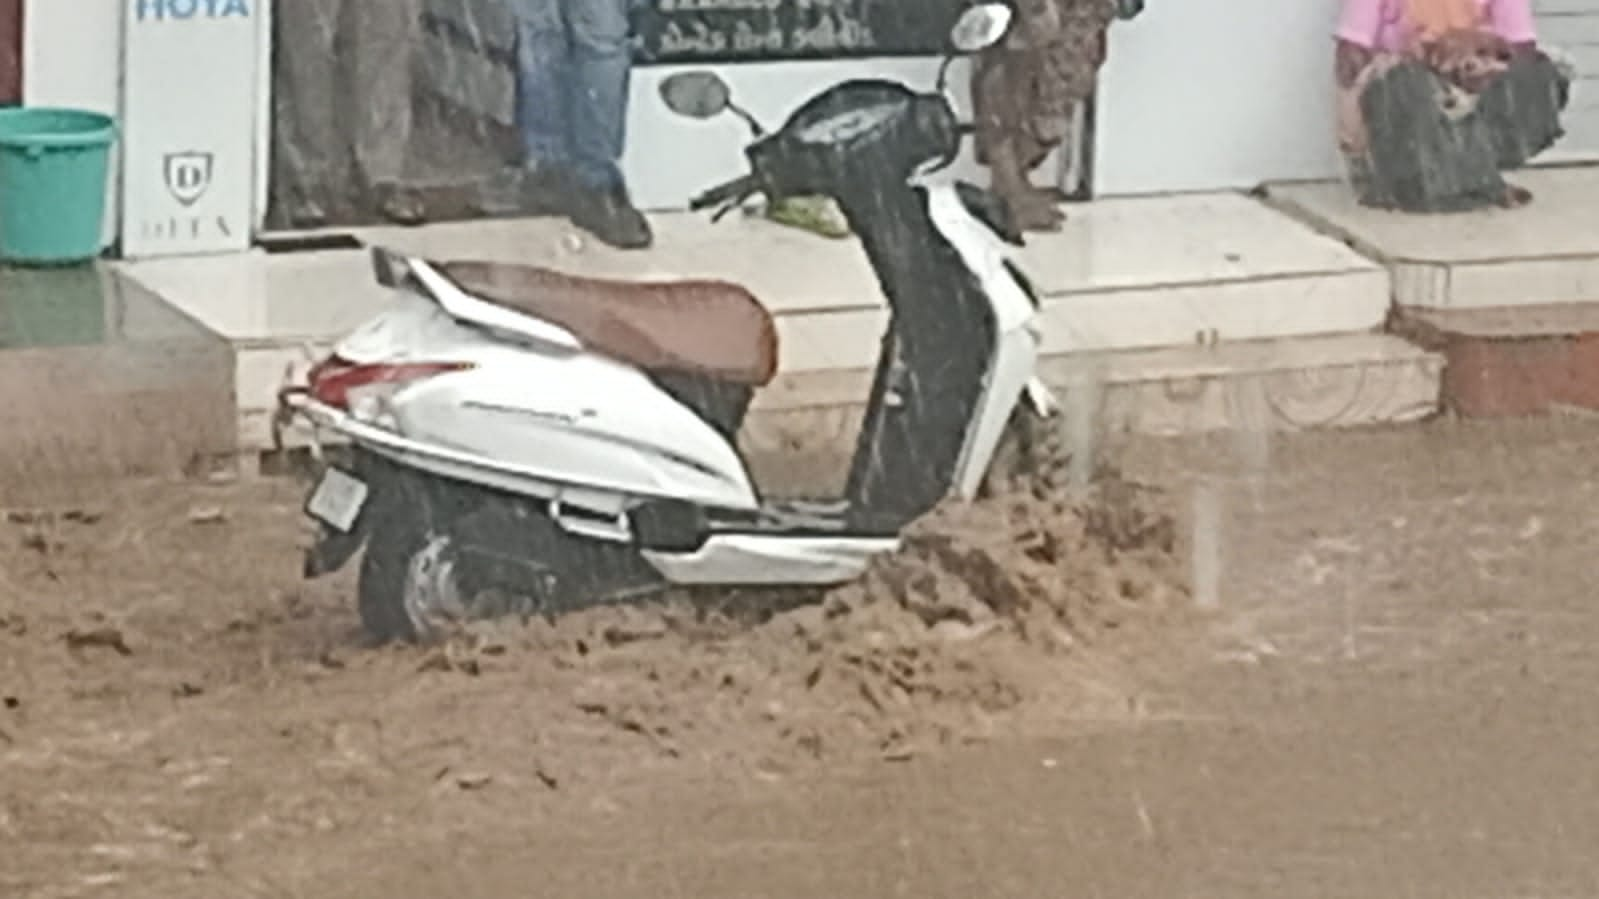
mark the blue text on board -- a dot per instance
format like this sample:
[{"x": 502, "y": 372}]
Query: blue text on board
[{"x": 180, "y": 10}]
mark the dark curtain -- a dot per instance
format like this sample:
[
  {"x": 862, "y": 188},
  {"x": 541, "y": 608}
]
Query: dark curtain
[{"x": 10, "y": 51}]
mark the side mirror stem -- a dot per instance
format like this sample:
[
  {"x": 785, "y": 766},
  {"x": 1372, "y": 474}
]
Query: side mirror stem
[
  {"x": 943, "y": 72},
  {"x": 750, "y": 120}
]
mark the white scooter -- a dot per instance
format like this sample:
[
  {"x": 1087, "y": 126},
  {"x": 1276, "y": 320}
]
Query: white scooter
[{"x": 522, "y": 433}]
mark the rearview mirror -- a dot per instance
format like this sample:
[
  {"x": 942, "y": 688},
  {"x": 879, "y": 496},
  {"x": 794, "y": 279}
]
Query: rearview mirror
[
  {"x": 980, "y": 26},
  {"x": 697, "y": 95}
]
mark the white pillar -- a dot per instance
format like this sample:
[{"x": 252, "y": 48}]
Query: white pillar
[{"x": 190, "y": 113}]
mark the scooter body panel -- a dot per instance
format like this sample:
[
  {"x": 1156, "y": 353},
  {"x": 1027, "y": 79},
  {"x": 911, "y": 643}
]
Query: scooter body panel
[
  {"x": 744, "y": 558},
  {"x": 1016, "y": 337},
  {"x": 534, "y": 415},
  {"x": 529, "y": 417},
  {"x": 772, "y": 559}
]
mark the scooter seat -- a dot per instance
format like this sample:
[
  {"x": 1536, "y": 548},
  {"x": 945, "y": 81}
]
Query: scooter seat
[{"x": 710, "y": 328}]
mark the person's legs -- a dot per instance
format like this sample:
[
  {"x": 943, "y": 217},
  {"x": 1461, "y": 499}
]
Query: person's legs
[
  {"x": 1004, "y": 97},
  {"x": 308, "y": 161},
  {"x": 1418, "y": 158},
  {"x": 596, "y": 100},
  {"x": 538, "y": 183},
  {"x": 1522, "y": 107},
  {"x": 597, "y": 95},
  {"x": 1367, "y": 188},
  {"x": 543, "y": 71},
  {"x": 535, "y": 184},
  {"x": 381, "y": 40}
]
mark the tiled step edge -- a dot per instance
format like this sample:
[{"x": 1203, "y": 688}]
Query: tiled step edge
[
  {"x": 802, "y": 440},
  {"x": 800, "y": 433},
  {"x": 1513, "y": 360}
]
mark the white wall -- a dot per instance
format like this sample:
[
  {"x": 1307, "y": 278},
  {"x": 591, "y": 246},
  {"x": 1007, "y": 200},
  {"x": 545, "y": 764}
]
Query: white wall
[
  {"x": 1573, "y": 26},
  {"x": 1210, "y": 94},
  {"x": 72, "y": 56}
]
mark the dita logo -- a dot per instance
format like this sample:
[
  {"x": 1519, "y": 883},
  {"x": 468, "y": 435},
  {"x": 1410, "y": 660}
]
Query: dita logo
[{"x": 188, "y": 175}]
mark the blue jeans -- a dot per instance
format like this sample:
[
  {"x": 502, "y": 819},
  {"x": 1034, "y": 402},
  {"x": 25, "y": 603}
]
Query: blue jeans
[{"x": 573, "y": 66}]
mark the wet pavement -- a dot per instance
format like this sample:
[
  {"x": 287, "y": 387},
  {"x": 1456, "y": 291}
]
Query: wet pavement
[{"x": 102, "y": 378}]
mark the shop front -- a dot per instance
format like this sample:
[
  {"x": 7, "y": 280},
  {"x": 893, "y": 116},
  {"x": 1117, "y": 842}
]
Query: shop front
[
  {"x": 774, "y": 54},
  {"x": 1198, "y": 95},
  {"x": 192, "y": 84}
]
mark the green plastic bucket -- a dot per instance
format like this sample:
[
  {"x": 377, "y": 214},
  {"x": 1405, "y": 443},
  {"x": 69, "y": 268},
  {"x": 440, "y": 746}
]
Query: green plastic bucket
[{"x": 54, "y": 165}]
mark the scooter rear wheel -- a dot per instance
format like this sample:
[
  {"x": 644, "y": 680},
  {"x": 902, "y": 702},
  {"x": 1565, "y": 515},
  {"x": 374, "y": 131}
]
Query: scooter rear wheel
[{"x": 409, "y": 582}]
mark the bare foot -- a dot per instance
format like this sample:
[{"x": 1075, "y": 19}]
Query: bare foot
[
  {"x": 1036, "y": 210},
  {"x": 402, "y": 207},
  {"x": 1515, "y": 197}
]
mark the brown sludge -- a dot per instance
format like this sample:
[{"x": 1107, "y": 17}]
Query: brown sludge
[
  {"x": 977, "y": 616},
  {"x": 146, "y": 657}
]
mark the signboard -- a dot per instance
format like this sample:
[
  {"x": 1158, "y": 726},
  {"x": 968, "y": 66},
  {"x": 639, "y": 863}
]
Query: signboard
[
  {"x": 714, "y": 31},
  {"x": 705, "y": 31},
  {"x": 711, "y": 31},
  {"x": 188, "y": 125}
]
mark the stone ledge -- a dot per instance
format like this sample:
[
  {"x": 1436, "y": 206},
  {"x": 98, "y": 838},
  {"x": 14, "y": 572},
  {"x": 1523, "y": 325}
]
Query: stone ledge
[
  {"x": 1513, "y": 361},
  {"x": 1537, "y": 255},
  {"x": 1290, "y": 385}
]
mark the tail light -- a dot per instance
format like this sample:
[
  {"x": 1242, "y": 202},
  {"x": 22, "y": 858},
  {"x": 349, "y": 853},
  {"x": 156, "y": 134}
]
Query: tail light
[{"x": 334, "y": 380}]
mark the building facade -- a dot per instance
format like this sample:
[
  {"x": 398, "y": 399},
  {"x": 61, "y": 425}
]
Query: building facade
[{"x": 1197, "y": 95}]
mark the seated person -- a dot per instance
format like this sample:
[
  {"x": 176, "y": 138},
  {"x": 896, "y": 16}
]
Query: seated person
[{"x": 1438, "y": 97}]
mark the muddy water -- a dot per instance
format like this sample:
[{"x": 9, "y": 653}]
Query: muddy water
[{"x": 1392, "y": 696}]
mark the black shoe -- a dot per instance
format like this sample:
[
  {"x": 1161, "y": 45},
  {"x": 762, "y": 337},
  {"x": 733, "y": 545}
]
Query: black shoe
[
  {"x": 401, "y": 205},
  {"x": 609, "y": 215},
  {"x": 305, "y": 215}
]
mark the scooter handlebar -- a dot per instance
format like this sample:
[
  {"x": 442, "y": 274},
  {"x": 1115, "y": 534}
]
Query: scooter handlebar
[
  {"x": 854, "y": 114},
  {"x": 726, "y": 192}
]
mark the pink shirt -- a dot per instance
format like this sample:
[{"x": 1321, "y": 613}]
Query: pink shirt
[{"x": 1380, "y": 24}]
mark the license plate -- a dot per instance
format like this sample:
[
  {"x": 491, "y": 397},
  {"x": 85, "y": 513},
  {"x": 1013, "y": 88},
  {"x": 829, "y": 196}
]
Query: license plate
[{"x": 337, "y": 500}]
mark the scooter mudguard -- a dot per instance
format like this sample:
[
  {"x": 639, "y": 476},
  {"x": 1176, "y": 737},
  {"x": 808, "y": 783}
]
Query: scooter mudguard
[
  {"x": 333, "y": 547},
  {"x": 331, "y": 550}
]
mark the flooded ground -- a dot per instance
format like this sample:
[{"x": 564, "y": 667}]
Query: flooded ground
[
  {"x": 1392, "y": 696},
  {"x": 113, "y": 359}
]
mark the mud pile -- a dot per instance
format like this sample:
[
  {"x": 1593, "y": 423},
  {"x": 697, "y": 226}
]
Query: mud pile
[
  {"x": 977, "y": 620},
  {"x": 999, "y": 617}
]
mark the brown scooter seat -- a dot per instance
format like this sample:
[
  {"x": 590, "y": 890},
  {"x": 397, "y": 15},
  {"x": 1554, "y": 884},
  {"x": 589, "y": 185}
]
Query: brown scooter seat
[{"x": 709, "y": 328}]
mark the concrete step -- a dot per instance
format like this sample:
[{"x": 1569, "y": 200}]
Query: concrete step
[
  {"x": 802, "y": 428},
  {"x": 1513, "y": 360},
  {"x": 801, "y": 432},
  {"x": 1122, "y": 275},
  {"x": 101, "y": 379},
  {"x": 1538, "y": 255}
]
